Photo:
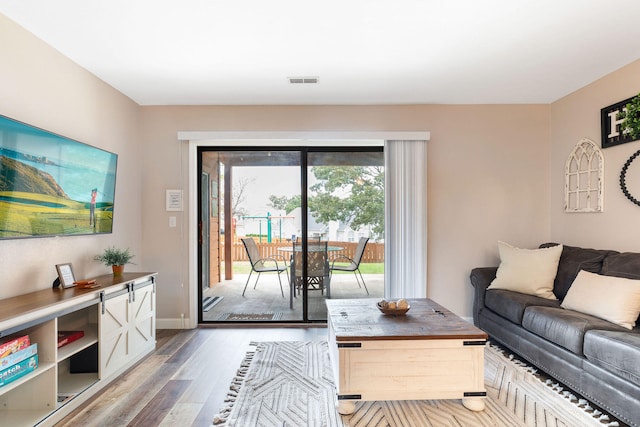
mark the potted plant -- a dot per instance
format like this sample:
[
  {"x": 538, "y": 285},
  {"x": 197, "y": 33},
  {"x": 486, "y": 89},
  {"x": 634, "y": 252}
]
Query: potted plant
[
  {"x": 116, "y": 258},
  {"x": 631, "y": 118}
]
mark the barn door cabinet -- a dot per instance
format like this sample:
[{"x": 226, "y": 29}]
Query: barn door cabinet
[
  {"x": 117, "y": 320},
  {"x": 127, "y": 325}
]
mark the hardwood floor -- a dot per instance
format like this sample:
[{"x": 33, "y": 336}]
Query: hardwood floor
[{"x": 184, "y": 382}]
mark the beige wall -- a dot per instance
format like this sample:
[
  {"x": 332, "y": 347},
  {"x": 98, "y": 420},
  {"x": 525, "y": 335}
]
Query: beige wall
[
  {"x": 487, "y": 180},
  {"x": 42, "y": 88},
  {"x": 495, "y": 172},
  {"x": 575, "y": 117}
]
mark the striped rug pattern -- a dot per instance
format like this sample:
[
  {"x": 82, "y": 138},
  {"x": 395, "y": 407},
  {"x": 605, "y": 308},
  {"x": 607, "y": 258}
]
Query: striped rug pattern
[{"x": 291, "y": 384}]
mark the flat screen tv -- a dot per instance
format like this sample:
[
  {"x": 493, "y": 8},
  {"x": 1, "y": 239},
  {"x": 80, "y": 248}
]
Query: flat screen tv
[{"x": 51, "y": 185}]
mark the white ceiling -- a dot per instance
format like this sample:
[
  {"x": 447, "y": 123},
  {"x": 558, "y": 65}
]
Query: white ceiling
[{"x": 199, "y": 52}]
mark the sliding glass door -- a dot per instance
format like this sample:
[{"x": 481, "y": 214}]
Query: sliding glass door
[
  {"x": 345, "y": 209},
  {"x": 282, "y": 231}
]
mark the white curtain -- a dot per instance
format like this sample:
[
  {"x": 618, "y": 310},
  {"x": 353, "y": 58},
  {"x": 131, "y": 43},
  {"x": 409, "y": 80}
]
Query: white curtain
[{"x": 405, "y": 274}]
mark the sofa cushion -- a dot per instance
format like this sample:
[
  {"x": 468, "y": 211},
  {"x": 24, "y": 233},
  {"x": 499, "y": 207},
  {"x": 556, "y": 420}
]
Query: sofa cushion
[
  {"x": 511, "y": 305},
  {"x": 617, "y": 352},
  {"x": 572, "y": 260},
  {"x": 615, "y": 299},
  {"x": 563, "y": 327},
  {"x": 528, "y": 271},
  {"x": 625, "y": 264}
]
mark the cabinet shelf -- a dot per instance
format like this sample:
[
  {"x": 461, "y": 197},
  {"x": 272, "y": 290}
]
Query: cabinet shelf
[
  {"x": 24, "y": 417},
  {"x": 42, "y": 368},
  {"x": 29, "y": 399},
  {"x": 90, "y": 337},
  {"x": 71, "y": 385}
]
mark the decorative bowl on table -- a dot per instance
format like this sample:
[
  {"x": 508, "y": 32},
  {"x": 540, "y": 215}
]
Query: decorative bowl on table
[{"x": 399, "y": 307}]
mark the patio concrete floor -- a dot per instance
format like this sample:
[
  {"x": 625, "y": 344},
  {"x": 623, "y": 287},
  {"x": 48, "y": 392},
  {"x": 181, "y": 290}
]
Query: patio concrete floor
[{"x": 266, "y": 297}]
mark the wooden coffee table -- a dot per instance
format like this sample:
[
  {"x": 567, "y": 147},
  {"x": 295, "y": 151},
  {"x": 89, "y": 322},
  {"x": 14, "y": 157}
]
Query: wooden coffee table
[{"x": 429, "y": 353}]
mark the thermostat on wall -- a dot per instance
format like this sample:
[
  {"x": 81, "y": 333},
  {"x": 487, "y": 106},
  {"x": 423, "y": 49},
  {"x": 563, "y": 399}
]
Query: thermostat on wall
[{"x": 174, "y": 200}]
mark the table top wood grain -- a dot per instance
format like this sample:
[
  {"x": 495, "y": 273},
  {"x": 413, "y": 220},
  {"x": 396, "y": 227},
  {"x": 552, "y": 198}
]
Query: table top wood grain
[{"x": 361, "y": 320}]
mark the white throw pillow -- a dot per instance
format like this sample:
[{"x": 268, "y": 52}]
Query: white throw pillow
[
  {"x": 528, "y": 271},
  {"x": 615, "y": 299}
]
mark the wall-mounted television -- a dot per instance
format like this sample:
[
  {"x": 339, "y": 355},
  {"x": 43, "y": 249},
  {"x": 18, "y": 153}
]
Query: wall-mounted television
[{"x": 51, "y": 185}]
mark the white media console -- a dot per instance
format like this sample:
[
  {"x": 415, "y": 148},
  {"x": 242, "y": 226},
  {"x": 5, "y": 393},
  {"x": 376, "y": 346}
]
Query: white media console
[{"x": 118, "y": 321}]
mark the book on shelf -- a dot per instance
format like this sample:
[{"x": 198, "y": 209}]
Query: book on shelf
[
  {"x": 66, "y": 337},
  {"x": 19, "y": 356},
  {"x": 13, "y": 345},
  {"x": 18, "y": 370}
]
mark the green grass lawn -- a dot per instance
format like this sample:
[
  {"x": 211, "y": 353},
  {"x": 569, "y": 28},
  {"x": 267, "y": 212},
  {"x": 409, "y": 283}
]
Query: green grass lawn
[{"x": 243, "y": 267}]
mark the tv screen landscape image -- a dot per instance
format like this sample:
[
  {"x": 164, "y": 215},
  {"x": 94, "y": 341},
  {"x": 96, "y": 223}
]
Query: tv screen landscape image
[{"x": 51, "y": 185}]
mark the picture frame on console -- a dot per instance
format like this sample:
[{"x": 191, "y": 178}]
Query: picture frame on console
[{"x": 65, "y": 275}]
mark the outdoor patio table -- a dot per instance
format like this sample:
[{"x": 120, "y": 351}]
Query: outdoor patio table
[{"x": 310, "y": 248}]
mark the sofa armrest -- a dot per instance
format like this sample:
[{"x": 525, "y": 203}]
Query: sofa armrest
[{"x": 481, "y": 278}]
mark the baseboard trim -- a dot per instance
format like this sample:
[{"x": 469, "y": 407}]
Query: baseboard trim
[{"x": 173, "y": 323}]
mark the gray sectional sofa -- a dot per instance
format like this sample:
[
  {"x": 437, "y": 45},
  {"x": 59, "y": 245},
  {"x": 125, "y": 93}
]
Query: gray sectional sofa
[{"x": 597, "y": 359}]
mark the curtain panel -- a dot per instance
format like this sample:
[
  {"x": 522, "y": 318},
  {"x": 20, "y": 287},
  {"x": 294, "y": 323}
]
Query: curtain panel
[{"x": 405, "y": 274}]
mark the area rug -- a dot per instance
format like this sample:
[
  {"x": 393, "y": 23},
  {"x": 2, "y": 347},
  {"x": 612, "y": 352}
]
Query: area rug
[
  {"x": 250, "y": 316},
  {"x": 291, "y": 384}
]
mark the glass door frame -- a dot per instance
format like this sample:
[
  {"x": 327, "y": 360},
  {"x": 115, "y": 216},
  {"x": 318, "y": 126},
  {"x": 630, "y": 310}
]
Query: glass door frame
[{"x": 304, "y": 172}]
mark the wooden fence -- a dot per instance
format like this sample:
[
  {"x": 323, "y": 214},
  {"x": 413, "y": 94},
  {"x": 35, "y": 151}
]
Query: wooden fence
[{"x": 374, "y": 252}]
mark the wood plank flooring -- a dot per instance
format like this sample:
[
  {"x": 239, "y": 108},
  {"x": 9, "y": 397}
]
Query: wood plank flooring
[{"x": 184, "y": 381}]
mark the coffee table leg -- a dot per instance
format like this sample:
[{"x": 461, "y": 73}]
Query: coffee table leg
[
  {"x": 473, "y": 403},
  {"x": 345, "y": 407}
]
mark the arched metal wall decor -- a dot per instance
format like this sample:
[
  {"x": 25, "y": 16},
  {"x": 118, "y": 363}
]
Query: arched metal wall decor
[
  {"x": 584, "y": 176},
  {"x": 623, "y": 178}
]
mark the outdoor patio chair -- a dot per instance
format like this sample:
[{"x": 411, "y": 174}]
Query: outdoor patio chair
[
  {"x": 317, "y": 266},
  {"x": 354, "y": 263},
  {"x": 263, "y": 265}
]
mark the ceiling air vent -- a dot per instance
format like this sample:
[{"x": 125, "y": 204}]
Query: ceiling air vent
[{"x": 303, "y": 80}]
